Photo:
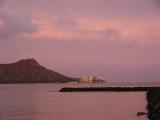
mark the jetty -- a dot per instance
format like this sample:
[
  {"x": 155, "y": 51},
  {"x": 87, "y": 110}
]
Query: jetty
[{"x": 111, "y": 89}]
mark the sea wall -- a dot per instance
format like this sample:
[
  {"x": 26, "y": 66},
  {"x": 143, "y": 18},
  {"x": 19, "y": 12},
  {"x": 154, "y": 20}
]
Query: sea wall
[{"x": 112, "y": 89}]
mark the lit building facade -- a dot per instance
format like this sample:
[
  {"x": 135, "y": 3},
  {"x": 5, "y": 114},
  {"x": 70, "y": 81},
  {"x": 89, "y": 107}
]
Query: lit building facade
[{"x": 91, "y": 79}]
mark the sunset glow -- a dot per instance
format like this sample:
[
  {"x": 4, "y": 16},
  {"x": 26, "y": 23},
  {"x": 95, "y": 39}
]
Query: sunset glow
[{"x": 118, "y": 40}]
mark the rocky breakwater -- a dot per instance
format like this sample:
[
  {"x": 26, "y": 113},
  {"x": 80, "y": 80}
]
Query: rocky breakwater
[{"x": 153, "y": 106}]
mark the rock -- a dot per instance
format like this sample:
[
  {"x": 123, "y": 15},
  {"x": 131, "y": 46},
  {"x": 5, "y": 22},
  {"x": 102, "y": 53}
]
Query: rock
[
  {"x": 141, "y": 113},
  {"x": 153, "y": 106}
]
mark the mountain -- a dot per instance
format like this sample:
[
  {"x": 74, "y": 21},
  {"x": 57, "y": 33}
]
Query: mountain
[{"x": 30, "y": 71}]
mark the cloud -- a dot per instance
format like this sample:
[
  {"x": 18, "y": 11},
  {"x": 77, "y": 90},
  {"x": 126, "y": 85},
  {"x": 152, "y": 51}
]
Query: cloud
[
  {"x": 122, "y": 21},
  {"x": 64, "y": 22},
  {"x": 1, "y": 2},
  {"x": 111, "y": 33},
  {"x": 67, "y": 28},
  {"x": 157, "y": 2},
  {"x": 122, "y": 9},
  {"x": 15, "y": 22}
]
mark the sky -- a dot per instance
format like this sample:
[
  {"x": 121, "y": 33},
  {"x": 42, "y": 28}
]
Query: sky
[{"x": 116, "y": 39}]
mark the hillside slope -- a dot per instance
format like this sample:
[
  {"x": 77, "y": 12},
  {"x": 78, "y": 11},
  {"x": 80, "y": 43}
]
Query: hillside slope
[{"x": 30, "y": 71}]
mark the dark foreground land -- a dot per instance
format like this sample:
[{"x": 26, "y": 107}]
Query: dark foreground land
[
  {"x": 153, "y": 106},
  {"x": 153, "y": 96}
]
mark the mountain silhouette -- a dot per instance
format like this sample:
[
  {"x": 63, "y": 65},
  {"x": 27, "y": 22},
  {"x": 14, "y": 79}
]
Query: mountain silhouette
[{"x": 30, "y": 71}]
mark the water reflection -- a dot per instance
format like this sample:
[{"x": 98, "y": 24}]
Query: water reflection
[{"x": 34, "y": 102}]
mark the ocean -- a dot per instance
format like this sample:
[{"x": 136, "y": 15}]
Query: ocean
[{"x": 44, "y": 102}]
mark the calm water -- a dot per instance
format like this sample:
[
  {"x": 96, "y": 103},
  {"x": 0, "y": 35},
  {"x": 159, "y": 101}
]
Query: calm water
[{"x": 44, "y": 102}]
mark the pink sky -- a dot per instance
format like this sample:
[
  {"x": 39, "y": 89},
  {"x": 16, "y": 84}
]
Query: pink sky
[{"x": 116, "y": 39}]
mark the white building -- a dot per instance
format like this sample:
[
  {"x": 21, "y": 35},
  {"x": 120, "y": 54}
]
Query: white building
[{"x": 91, "y": 79}]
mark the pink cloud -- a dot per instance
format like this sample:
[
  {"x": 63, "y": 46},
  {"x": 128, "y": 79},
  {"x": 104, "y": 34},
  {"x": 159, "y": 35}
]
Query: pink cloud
[{"x": 142, "y": 32}]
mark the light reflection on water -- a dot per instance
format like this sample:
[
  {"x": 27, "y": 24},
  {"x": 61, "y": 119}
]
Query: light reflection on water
[{"x": 37, "y": 102}]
